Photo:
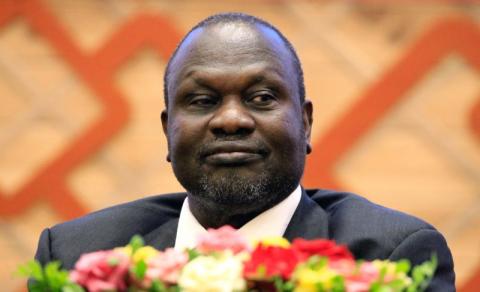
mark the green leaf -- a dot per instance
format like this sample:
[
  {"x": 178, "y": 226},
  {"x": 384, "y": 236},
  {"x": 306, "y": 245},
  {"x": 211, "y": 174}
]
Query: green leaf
[
  {"x": 397, "y": 285},
  {"x": 157, "y": 286},
  {"x": 55, "y": 277},
  {"x": 136, "y": 242},
  {"x": 403, "y": 266},
  {"x": 338, "y": 284},
  {"x": 73, "y": 288},
  {"x": 192, "y": 253},
  {"x": 277, "y": 281},
  {"x": 381, "y": 277},
  {"x": 316, "y": 262},
  {"x": 32, "y": 269},
  {"x": 411, "y": 288},
  {"x": 384, "y": 288},
  {"x": 288, "y": 286},
  {"x": 139, "y": 269},
  {"x": 319, "y": 287},
  {"x": 174, "y": 288},
  {"x": 378, "y": 287},
  {"x": 423, "y": 274},
  {"x": 375, "y": 287},
  {"x": 55, "y": 274},
  {"x": 38, "y": 287},
  {"x": 418, "y": 274},
  {"x": 50, "y": 278},
  {"x": 281, "y": 285}
]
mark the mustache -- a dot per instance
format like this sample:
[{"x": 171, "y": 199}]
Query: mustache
[{"x": 229, "y": 145}]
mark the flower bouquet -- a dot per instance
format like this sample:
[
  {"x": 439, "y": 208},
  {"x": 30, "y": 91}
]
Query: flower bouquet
[{"x": 224, "y": 261}]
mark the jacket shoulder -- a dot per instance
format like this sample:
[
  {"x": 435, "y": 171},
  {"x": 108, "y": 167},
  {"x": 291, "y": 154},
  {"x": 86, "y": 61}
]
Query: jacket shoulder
[
  {"x": 370, "y": 230},
  {"x": 110, "y": 227},
  {"x": 154, "y": 208}
]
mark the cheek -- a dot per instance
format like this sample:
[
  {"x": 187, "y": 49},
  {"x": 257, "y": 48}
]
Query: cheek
[
  {"x": 287, "y": 125},
  {"x": 289, "y": 135},
  {"x": 185, "y": 134}
]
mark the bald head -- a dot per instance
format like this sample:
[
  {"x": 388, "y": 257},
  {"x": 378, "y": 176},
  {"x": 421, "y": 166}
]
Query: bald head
[{"x": 234, "y": 36}]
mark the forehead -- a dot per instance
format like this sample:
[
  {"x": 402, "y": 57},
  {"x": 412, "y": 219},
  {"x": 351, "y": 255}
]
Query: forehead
[{"x": 235, "y": 45}]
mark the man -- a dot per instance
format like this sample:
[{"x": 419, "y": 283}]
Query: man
[{"x": 238, "y": 130}]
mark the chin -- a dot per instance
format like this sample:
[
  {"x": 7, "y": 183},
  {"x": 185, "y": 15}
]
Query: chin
[{"x": 243, "y": 193}]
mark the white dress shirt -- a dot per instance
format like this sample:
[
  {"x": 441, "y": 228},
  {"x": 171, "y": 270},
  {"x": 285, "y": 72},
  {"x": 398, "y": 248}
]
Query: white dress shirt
[{"x": 272, "y": 222}]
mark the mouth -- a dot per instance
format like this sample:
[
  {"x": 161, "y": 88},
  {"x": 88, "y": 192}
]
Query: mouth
[{"x": 233, "y": 154}]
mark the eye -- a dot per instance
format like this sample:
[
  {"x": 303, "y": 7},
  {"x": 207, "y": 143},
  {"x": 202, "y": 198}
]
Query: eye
[
  {"x": 202, "y": 101},
  {"x": 263, "y": 99}
]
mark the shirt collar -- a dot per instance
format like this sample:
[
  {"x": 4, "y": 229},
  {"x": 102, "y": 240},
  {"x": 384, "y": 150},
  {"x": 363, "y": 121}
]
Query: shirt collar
[{"x": 272, "y": 222}]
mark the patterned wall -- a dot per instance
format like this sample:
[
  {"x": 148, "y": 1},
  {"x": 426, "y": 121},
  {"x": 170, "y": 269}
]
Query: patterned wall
[{"x": 395, "y": 87}]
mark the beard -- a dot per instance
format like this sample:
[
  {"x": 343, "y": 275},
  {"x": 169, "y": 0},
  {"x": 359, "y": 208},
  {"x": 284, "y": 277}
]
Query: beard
[
  {"x": 237, "y": 193},
  {"x": 238, "y": 190}
]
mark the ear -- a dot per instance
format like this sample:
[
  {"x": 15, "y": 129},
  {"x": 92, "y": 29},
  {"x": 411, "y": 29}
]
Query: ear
[
  {"x": 307, "y": 112},
  {"x": 164, "y": 117}
]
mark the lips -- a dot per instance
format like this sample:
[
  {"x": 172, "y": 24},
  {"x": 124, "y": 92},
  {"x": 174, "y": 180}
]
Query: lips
[{"x": 233, "y": 154}]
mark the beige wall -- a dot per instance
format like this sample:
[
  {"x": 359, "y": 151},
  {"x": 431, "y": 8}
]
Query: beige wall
[{"x": 422, "y": 156}]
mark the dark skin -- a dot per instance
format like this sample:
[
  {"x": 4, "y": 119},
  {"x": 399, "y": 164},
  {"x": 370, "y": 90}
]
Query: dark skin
[{"x": 237, "y": 131}]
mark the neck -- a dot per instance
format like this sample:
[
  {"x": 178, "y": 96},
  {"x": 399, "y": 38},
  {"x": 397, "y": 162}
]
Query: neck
[{"x": 215, "y": 216}]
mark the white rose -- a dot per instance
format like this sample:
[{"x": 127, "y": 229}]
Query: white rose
[{"x": 221, "y": 273}]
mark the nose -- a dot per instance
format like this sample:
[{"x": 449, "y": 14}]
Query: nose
[{"x": 232, "y": 118}]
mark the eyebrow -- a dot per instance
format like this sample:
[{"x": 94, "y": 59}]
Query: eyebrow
[
  {"x": 255, "y": 80},
  {"x": 251, "y": 81},
  {"x": 274, "y": 77},
  {"x": 202, "y": 82}
]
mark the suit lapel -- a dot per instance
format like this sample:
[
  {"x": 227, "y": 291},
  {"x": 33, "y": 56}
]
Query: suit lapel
[
  {"x": 309, "y": 221},
  {"x": 163, "y": 236}
]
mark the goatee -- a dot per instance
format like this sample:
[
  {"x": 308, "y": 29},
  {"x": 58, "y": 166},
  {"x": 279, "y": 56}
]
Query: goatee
[{"x": 243, "y": 193}]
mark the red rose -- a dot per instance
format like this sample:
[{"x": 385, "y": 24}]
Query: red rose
[
  {"x": 322, "y": 247},
  {"x": 268, "y": 261}
]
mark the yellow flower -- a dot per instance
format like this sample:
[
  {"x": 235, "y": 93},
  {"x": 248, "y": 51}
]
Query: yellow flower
[
  {"x": 308, "y": 279},
  {"x": 144, "y": 253},
  {"x": 391, "y": 272},
  {"x": 387, "y": 265},
  {"x": 274, "y": 241}
]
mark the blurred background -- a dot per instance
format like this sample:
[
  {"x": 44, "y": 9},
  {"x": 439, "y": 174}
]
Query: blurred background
[{"x": 395, "y": 86}]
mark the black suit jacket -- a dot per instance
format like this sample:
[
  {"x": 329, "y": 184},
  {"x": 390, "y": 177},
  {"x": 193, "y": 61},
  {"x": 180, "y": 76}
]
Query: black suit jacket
[{"x": 369, "y": 230}]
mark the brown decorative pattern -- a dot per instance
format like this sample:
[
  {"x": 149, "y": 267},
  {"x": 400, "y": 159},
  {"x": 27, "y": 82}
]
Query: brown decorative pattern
[{"x": 379, "y": 74}]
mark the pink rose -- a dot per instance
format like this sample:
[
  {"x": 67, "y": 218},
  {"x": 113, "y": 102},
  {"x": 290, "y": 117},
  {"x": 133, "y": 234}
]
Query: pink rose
[
  {"x": 361, "y": 281},
  {"x": 357, "y": 286},
  {"x": 101, "y": 271},
  {"x": 166, "y": 266},
  {"x": 344, "y": 267},
  {"x": 220, "y": 239}
]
